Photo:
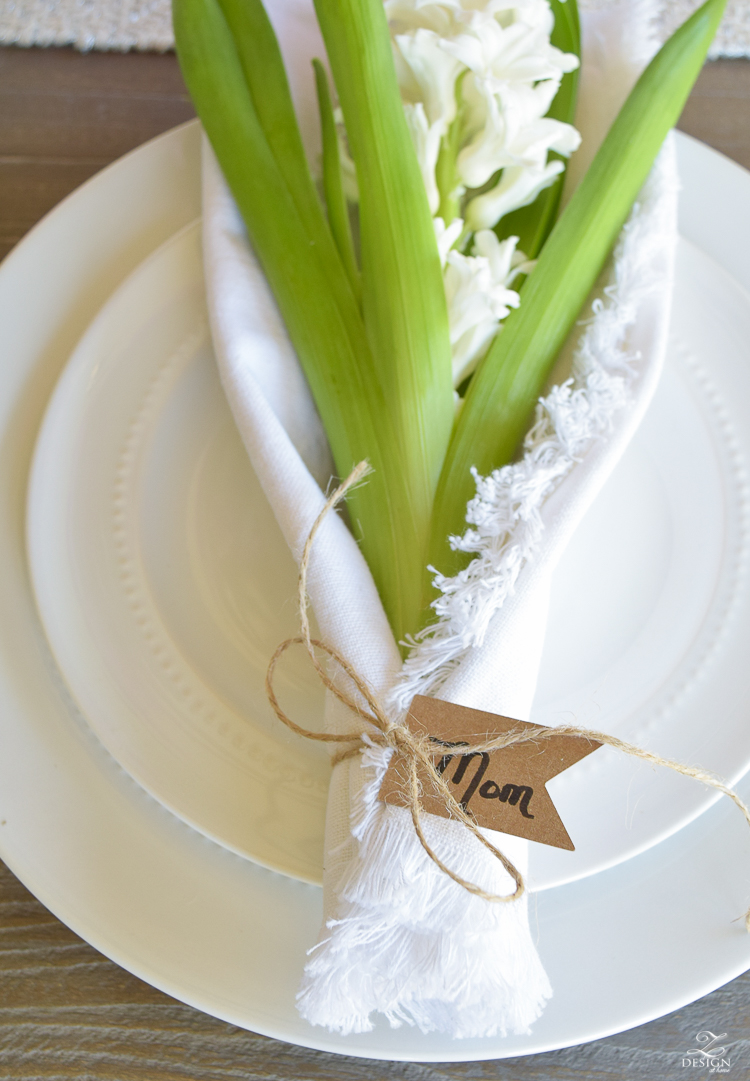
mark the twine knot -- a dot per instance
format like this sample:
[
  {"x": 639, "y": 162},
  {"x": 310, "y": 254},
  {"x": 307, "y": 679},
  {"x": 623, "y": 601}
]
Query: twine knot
[{"x": 419, "y": 751}]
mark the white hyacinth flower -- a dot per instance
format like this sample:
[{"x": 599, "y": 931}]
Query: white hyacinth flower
[
  {"x": 447, "y": 236},
  {"x": 506, "y": 262},
  {"x": 517, "y": 53},
  {"x": 477, "y": 78},
  {"x": 518, "y": 186},
  {"x": 507, "y": 127},
  {"x": 427, "y": 74},
  {"x": 427, "y": 139},
  {"x": 442, "y": 18},
  {"x": 490, "y": 68},
  {"x": 477, "y": 288}
]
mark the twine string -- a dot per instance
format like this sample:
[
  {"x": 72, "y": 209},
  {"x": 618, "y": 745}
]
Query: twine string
[{"x": 418, "y": 750}]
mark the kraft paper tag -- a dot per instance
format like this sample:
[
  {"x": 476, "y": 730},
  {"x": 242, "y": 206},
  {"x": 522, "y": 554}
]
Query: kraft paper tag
[{"x": 502, "y": 790}]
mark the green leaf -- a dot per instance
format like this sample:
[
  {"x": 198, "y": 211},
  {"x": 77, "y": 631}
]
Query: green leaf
[
  {"x": 403, "y": 298},
  {"x": 296, "y": 251},
  {"x": 262, "y": 66},
  {"x": 338, "y": 212},
  {"x": 505, "y": 388}
]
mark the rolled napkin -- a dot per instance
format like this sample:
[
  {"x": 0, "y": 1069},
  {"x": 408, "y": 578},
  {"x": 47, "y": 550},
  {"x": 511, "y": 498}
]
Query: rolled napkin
[{"x": 399, "y": 936}]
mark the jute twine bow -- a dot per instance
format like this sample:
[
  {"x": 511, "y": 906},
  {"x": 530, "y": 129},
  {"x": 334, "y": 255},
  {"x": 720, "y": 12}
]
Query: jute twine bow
[{"x": 419, "y": 750}]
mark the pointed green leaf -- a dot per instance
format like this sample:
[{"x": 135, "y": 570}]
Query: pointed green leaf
[
  {"x": 403, "y": 298},
  {"x": 338, "y": 212}
]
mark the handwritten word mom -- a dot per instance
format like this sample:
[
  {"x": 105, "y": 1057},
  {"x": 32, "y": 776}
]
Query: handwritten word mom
[{"x": 516, "y": 795}]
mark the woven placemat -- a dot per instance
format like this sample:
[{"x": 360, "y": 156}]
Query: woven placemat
[
  {"x": 88, "y": 24},
  {"x": 146, "y": 24},
  {"x": 733, "y": 38}
]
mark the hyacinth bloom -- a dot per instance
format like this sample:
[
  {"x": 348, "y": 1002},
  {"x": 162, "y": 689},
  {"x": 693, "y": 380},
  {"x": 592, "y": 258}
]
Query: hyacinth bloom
[
  {"x": 477, "y": 288},
  {"x": 477, "y": 82},
  {"x": 489, "y": 73}
]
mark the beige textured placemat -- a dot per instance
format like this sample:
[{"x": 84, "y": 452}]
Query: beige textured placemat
[
  {"x": 88, "y": 24},
  {"x": 733, "y": 38},
  {"x": 146, "y": 24}
]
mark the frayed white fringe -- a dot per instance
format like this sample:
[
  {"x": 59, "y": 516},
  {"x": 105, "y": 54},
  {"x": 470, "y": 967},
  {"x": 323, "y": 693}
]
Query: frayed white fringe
[
  {"x": 465, "y": 983},
  {"x": 409, "y": 943},
  {"x": 406, "y": 941}
]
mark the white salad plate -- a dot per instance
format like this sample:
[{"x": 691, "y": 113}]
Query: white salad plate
[
  {"x": 164, "y": 584},
  {"x": 219, "y": 931}
]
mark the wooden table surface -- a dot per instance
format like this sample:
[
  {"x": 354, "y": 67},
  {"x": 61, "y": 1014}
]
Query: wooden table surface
[{"x": 65, "y": 1010}]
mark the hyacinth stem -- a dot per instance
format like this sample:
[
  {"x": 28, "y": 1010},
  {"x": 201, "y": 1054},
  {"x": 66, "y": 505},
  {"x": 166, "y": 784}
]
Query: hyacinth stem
[
  {"x": 338, "y": 213},
  {"x": 233, "y": 69},
  {"x": 403, "y": 298},
  {"x": 506, "y": 386},
  {"x": 446, "y": 173}
]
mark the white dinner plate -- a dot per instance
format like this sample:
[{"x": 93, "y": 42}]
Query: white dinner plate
[
  {"x": 185, "y": 914},
  {"x": 164, "y": 584}
]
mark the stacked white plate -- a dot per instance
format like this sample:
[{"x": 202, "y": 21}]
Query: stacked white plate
[{"x": 147, "y": 795}]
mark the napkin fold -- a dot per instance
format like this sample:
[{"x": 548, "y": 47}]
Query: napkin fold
[{"x": 399, "y": 937}]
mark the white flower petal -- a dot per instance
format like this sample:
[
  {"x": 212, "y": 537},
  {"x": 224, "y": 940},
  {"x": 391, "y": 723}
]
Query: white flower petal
[
  {"x": 518, "y": 186},
  {"x": 517, "y": 52},
  {"x": 486, "y": 151},
  {"x": 434, "y": 71},
  {"x": 405, "y": 15},
  {"x": 447, "y": 236},
  {"x": 498, "y": 253},
  {"x": 426, "y": 138},
  {"x": 476, "y": 289}
]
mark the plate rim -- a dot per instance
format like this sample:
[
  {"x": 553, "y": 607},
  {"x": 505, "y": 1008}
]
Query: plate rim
[
  {"x": 57, "y": 432},
  {"x": 46, "y": 514},
  {"x": 36, "y": 874}
]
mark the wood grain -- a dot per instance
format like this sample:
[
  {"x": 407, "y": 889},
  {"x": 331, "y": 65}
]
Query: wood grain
[
  {"x": 64, "y": 115},
  {"x": 718, "y": 110},
  {"x": 66, "y": 1011}
]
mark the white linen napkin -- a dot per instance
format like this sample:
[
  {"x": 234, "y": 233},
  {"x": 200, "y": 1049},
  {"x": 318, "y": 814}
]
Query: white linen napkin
[{"x": 399, "y": 937}]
